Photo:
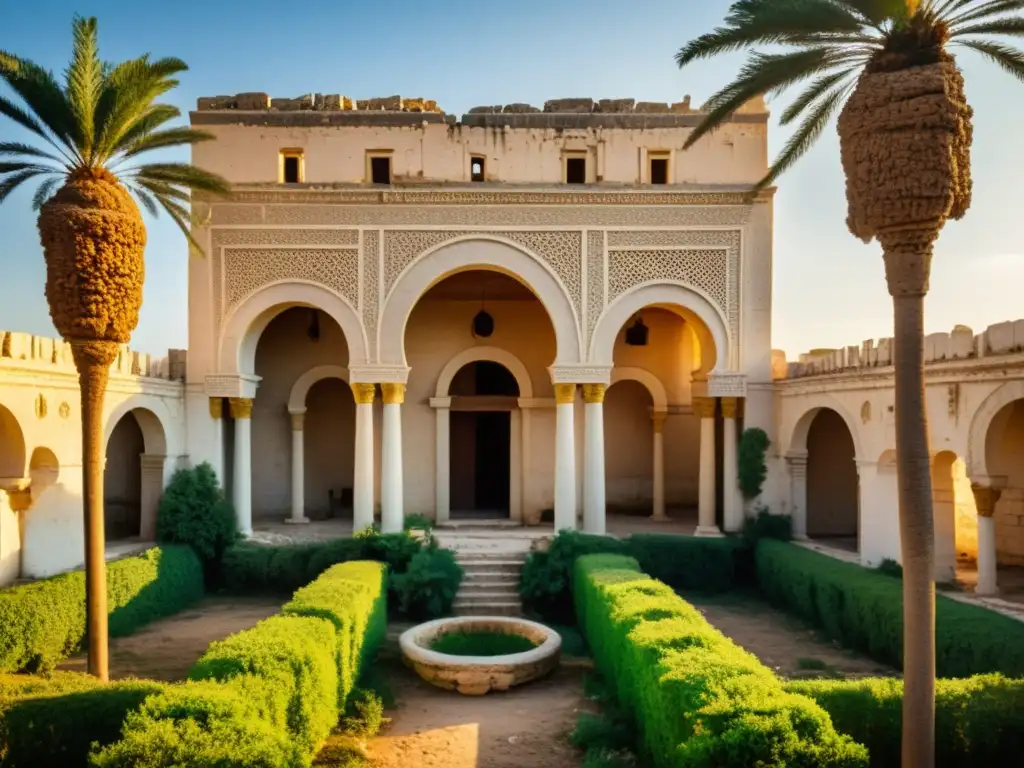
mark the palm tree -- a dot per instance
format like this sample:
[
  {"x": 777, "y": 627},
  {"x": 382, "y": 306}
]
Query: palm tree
[
  {"x": 905, "y": 133},
  {"x": 92, "y": 233}
]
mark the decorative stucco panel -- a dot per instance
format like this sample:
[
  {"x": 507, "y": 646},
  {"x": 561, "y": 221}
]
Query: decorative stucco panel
[
  {"x": 249, "y": 269},
  {"x": 595, "y": 281},
  {"x": 370, "y": 306}
]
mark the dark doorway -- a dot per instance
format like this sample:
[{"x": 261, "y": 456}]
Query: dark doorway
[{"x": 122, "y": 480}]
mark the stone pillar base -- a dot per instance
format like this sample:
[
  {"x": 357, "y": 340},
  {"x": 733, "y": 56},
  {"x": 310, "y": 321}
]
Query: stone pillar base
[
  {"x": 296, "y": 520},
  {"x": 708, "y": 531}
]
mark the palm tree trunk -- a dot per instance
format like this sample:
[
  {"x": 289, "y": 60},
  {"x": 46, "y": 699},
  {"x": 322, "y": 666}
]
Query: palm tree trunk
[
  {"x": 907, "y": 264},
  {"x": 93, "y": 360}
]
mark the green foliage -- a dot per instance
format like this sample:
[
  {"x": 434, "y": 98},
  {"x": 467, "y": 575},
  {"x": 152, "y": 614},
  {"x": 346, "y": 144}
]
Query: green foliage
[
  {"x": 266, "y": 697},
  {"x": 751, "y": 466},
  {"x": 977, "y": 719},
  {"x": 765, "y": 525},
  {"x": 427, "y": 589},
  {"x": 890, "y": 567},
  {"x": 608, "y": 738},
  {"x": 574, "y": 645},
  {"x": 51, "y": 722},
  {"x": 193, "y": 511},
  {"x": 698, "y": 699},
  {"x": 43, "y": 622},
  {"x": 419, "y": 522},
  {"x": 863, "y": 609},
  {"x": 481, "y": 644},
  {"x": 364, "y": 714}
]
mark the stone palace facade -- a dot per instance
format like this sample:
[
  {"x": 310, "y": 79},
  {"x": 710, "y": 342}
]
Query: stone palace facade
[{"x": 533, "y": 315}]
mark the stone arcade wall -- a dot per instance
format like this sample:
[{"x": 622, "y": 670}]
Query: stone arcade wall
[
  {"x": 40, "y": 445},
  {"x": 973, "y": 382}
]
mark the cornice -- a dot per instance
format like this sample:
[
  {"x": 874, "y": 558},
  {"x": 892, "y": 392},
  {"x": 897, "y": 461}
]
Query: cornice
[
  {"x": 936, "y": 375},
  {"x": 359, "y": 195}
]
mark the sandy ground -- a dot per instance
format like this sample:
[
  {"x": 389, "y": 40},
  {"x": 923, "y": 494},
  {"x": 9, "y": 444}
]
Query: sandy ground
[
  {"x": 782, "y": 642},
  {"x": 166, "y": 649}
]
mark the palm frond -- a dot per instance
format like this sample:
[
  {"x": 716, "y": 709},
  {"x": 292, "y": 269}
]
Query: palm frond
[
  {"x": 145, "y": 198},
  {"x": 173, "y": 137},
  {"x": 162, "y": 189},
  {"x": 21, "y": 166},
  {"x": 43, "y": 96},
  {"x": 153, "y": 118},
  {"x": 181, "y": 216},
  {"x": 1009, "y": 58},
  {"x": 17, "y": 148},
  {"x": 184, "y": 175},
  {"x": 44, "y": 192},
  {"x": 11, "y": 183},
  {"x": 811, "y": 94},
  {"x": 1011, "y": 27},
  {"x": 84, "y": 82},
  {"x": 874, "y": 12},
  {"x": 984, "y": 11}
]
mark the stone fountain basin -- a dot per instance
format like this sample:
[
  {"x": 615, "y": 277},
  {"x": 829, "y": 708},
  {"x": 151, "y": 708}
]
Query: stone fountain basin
[{"x": 477, "y": 675}]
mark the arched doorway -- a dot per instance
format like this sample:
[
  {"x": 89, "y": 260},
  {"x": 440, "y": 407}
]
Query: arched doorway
[
  {"x": 954, "y": 514},
  {"x": 1004, "y": 458},
  {"x": 122, "y": 480},
  {"x": 833, "y": 485},
  {"x": 629, "y": 462},
  {"x": 12, "y": 448},
  {"x": 295, "y": 342}
]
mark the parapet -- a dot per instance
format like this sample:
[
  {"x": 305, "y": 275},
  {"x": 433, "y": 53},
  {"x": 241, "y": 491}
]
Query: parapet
[
  {"x": 961, "y": 344},
  {"x": 44, "y": 351}
]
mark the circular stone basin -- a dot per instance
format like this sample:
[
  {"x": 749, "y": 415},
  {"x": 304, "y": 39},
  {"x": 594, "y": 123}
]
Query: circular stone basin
[{"x": 476, "y": 675}]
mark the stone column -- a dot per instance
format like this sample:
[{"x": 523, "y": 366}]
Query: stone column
[
  {"x": 152, "y": 490},
  {"x": 985, "y": 498},
  {"x": 705, "y": 407},
  {"x": 391, "y": 502},
  {"x": 442, "y": 458},
  {"x": 593, "y": 459},
  {"x": 732, "y": 500},
  {"x": 298, "y": 469},
  {"x": 659, "y": 417},
  {"x": 565, "y": 457},
  {"x": 797, "y": 465},
  {"x": 217, "y": 415},
  {"x": 241, "y": 412},
  {"x": 362, "y": 484}
]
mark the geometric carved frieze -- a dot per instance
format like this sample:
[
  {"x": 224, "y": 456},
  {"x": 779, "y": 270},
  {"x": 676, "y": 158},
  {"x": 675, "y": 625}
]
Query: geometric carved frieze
[
  {"x": 248, "y": 269},
  {"x": 595, "y": 279},
  {"x": 560, "y": 249},
  {"x": 371, "y": 286}
]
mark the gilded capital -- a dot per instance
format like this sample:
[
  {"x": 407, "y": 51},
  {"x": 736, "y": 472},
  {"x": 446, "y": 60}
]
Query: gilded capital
[
  {"x": 20, "y": 500},
  {"x": 217, "y": 408},
  {"x": 593, "y": 393},
  {"x": 298, "y": 421},
  {"x": 241, "y": 407},
  {"x": 985, "y": 499},
  {"x": 659, "y": 418},
  {"x": 363, "y": 392},
  {"x": 704, "y": 407},
  {"x": 730, "y": 407},
  {"x": 565, "y": 393},
  {"x": 393, "y": 394}
]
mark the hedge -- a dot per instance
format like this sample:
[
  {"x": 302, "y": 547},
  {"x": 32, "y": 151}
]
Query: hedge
[
  {"x": 863, "y": 609},
  {"x": 977, "y": 720},
  {"x": 698, "y": 698},
  {"x": 266, "y": 697},
  {"x": 43, "y": 622}
]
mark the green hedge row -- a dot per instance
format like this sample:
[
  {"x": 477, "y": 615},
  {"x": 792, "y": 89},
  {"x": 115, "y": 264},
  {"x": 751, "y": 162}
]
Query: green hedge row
[
  {"x": 43, "y": 622},
  {"x": 864, "y": 610},
  {"x": 978, "y": 720},
  {"x": 266, "y": 697},
  {"x": 698, "y": 698}
]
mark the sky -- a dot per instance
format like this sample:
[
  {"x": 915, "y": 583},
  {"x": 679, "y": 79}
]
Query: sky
[{"x": 829, "y": 288}]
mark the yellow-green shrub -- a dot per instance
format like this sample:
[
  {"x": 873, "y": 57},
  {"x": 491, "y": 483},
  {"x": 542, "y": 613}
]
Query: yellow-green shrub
[
  {"x": 43, "y": 622},
  {"x": 698, "y": 698},
  {"x": 978, "y": 720}
]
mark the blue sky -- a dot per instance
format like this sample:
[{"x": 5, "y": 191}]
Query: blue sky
[{"x": 829, "y": 288}]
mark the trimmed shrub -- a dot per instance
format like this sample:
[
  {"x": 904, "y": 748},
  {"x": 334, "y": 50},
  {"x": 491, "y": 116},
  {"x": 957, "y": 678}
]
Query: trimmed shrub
[
  {"x": 698, "y": 698},
  {"x": 863, "y": 609},
  {"x": 428, "y": 588},
  {"x": 194, "y": 511},
  {"x": 751, "y": 466},
  {"x": 43, "y": 622},
  {"x": 686, "y": 562},
  {"x": 52, "y": 722},
  {"x": 977, "y": 720}
]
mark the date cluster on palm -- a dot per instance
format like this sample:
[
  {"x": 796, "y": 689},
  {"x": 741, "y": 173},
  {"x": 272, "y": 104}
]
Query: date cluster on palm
[
  {"x": 905, "y": 139},
  {"x": 93, "y": 241}
]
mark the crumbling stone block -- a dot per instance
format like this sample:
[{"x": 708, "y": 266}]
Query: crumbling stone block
[
  {"x": 961, "y": 343},
  {"x": 252, "y": 101},
  {"x": 485, "y": 110},
  {"x": 651, "y": 107},
  {"x": 682, "y": 107},
  {"x": 936, "y": 347},
  {"x": 519, "y": 109},
  {"x": 1000, "y": 338},
  {"x": 569, "y": 106},
  {"x": 615, "y": 106}
]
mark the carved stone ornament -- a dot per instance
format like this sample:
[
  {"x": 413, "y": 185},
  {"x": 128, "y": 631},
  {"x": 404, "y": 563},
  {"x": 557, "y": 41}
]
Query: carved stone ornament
[
  {"x": 64, "y": 410},
  {"x": 363, "y": 392},
  {"x": 565, "y": 393},
  {"x": 727, "y": 385},
  {"x": 392, "y": 394},
  {"x": 704, "y": 407},
  {"x": 241, "y": 407},
  {"x": 41, "y": 406}
]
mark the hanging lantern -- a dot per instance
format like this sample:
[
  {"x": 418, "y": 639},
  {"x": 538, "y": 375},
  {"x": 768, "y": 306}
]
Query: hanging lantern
[
  {"x": 483, "y": 324},
  {"x": 636, "y": 334},
  {"x": 314, "y": 327}
]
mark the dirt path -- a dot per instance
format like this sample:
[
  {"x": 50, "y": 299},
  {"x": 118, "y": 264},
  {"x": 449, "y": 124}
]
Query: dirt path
[
  {"x": 166, "y": 649},
  {"x": 782, "y": 642}
]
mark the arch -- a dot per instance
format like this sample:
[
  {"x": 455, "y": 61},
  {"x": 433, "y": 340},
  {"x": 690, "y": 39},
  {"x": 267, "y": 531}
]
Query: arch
[
  {"x": 12, "y": 446},
  {"x": 798, "y": 435},
  {"x": 673, "y": 294},
  {"x": 243, "y": 327},
  {"x": 154, "y": 433},
  {"x": 477, "y": 252},
  {"x": 492, "y": 354},
  {"x": 977, "y": 460},
  {"x": 648, "y": 379},
  {"x": 305, "y": 382},
  {"x": 833, "y": 478},
  {"x": 44, "y": 469}
]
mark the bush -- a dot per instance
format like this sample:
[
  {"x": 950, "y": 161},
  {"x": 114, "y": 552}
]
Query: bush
[
  {"x": 428, "y": 588},
  {"x": 863, "y": 609},
  {"x": 420, "y": 522},
  {"x": 977, "y": 720},
  {"x": 686, "y": 562},
  {"x": 193, "y": 511},
  {"x": 697, "y": 697},
  {"x": 751, "y": 466},
  {"x": 43, "y": 622},
  {"x": 364, "y": 714},
  {"x": 51, "y": 722}
]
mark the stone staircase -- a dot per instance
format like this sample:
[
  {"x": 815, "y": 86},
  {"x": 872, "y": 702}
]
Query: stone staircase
[{"x": 493, "y": 566}]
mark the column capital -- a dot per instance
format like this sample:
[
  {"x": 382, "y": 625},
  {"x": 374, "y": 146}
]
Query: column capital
[
  {"x": 731, "y": 407},
  {"x": 152, "y": 461},
  {"x": 298, "y": 420},
  {"x": 367, "y": 374},
  {"x": 231, "y": 385},
  {"x": 217, "y": 408},
  {"x": 565, "y": 393},
  {"x": 241, "y": 407},
  {"x": 392, "y": 393},
  {"x": 658, "y": 418},
  {"x": 363, "y": 392},
  {"x": 704, "y": 407},
  {"x": 20, "y": 500},
  {"x": 727, "y": 384},
  {"x": 593, "y": 393},
  {"x": 581, "y": 374},
  {"x": 985, "y": 498}
]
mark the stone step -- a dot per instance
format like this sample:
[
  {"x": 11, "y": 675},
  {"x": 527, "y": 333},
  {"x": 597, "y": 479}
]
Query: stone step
[
  {"x": 485, "y": 596},
  {"x": 488, "y": 609},
  {"x": 489, "y": 577},
  {"x": 492, "y": 568},
  {"x": 488, "y": 588}
]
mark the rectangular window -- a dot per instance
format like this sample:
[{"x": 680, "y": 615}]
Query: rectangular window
[
  {"x": 476, "y": 169},
  {"x": 380, "y": 169},
  {"x": 291, "y": 168},
  {"x": 576, "y": 170},
  {"x": 659, "y": 170}
]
